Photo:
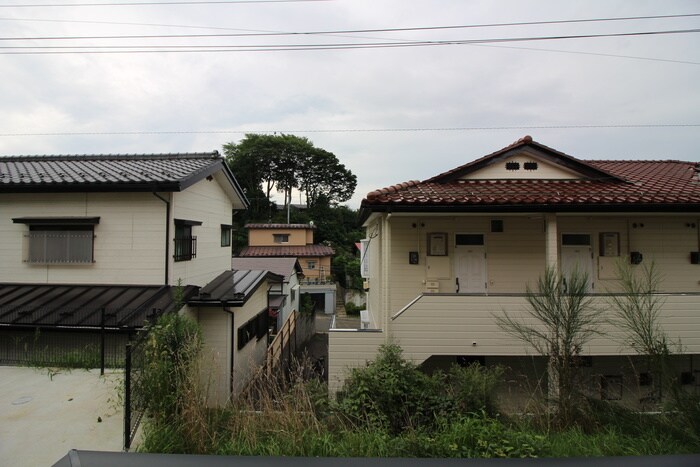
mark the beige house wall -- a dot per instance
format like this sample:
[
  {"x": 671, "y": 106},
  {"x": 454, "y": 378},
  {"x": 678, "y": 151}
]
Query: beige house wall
[
  {"x": 265, "y": 237},
  {"x": 215, "y": 366},
  {"x": 248, "y": 359},
  {"x": 347, "y": 350},
  {"x": 545, "y": 170},
  {"x": 322, "y": 270},
  {"x": 516, "y": 257},
  {"x": 219, "y": 340},
  {"x": 205, "y": 202},
  {"x": 129, "y": 244},
  {"x": 438, "y": 324}
]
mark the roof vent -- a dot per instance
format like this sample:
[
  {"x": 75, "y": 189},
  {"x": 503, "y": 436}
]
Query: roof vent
[
  {"x": 530, "y": 166},
  {"x": 512, "y": 165}
]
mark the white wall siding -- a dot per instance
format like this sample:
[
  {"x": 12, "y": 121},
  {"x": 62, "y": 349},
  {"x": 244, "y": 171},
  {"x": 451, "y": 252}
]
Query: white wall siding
[
  {"x": 205, "y": 202},
  {"x": 466, "y": 325},
  {"x": 215, "y": 365},
  {"x": 248, "y": 359},
  {"x": 129, "y": 244}
]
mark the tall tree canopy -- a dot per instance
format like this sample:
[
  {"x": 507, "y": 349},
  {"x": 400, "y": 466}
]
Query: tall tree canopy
[{"x": 262, "y": 163}]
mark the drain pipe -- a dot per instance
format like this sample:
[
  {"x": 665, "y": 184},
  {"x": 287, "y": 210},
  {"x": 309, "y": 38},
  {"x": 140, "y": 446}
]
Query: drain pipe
[
  {"x": 167, "y": 236},
  {"x": 233, "y": 348}
]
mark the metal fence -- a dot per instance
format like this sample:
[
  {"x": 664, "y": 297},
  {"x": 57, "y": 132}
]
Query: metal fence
[
  {"x": 134, "y": 406},
  {"x": 60, "y": 347}
]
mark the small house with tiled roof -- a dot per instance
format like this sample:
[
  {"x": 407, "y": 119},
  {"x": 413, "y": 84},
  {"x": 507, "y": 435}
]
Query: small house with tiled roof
[
  {"x": 443, "y": 256},
  {"x": 296, "y": 241}
]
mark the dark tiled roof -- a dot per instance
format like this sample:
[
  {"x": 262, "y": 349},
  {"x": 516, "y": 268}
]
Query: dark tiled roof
[
  {"x": 281, "y": 266},
  {"x": 232, "y": 287},
  {"x": 80, "y": 305},
  {"x": 625, "y": 185},
  {"x": 108, "y": 172},
  {"x": 280, "y": 226},
  {"x": 288, "y": 251}
]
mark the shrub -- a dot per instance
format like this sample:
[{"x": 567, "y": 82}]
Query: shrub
[
  {"x": 352, "y": 309},
  {"x": 392, "y": 393},
  {"x": 172, "y": 347},
  {"x": 472, "y": 387}
]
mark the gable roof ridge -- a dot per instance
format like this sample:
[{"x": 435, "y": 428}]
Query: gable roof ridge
[
  {"x": 392, "y": 189},
  {"x": 102, "y": 157},
  {"x": 522, "y": 142}
]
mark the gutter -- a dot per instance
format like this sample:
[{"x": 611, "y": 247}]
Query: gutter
[
  {"x": 167, "y": 237},
  {"x": 233, "y": 347}
]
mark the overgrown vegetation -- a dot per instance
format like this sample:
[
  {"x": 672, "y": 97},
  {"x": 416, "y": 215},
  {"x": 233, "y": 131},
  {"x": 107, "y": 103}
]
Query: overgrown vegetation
[
  {"x": 636, "y": 312},
  {"x": 390, "y": 408},
  {"x": 170, "y": 376},
  {"x": 562, "y": 319},
  {"x": 391, "y": 394},
  {"x": 354, "y": 310}
]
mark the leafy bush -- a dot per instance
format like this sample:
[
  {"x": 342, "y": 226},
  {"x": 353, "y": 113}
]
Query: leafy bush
[
  {"x": 307, "y": 304},
  {"x": 353, "y": 310},
  {"x": 392, "y": 393}
]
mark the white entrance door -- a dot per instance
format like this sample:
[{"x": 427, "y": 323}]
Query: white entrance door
[
  {"x": 470, "y": 264},
  {"x": 577, "y": 254}
]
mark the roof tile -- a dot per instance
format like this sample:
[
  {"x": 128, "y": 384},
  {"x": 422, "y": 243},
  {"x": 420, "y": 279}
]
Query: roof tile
[{"x": 632, "y": 182}]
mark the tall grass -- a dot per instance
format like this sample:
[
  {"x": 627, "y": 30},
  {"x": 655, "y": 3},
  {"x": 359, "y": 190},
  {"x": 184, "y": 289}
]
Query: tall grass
[{"x": 293, "y": 416}]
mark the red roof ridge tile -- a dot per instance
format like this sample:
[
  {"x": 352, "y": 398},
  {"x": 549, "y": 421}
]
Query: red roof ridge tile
[{"x": 391, "y": 189}]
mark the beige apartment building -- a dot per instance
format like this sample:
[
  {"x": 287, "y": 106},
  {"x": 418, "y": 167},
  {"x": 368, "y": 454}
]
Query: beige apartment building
[{"x": 444, "y": 256}]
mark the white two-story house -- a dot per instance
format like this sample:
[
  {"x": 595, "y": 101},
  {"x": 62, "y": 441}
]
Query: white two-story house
[
  {"x": 94, "y": 241},
  {"x": 444, "y": 256}
]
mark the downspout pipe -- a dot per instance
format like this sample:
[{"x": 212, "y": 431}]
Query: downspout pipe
[
  {"x": 167, "y": 237},
  {"x": 233, "y": 347}
]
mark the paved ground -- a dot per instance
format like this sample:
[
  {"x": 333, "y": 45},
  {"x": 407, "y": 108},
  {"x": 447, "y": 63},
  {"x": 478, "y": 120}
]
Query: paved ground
[
  {"x": 317, "y": 347},
  {"x": 44, "y": 415}
]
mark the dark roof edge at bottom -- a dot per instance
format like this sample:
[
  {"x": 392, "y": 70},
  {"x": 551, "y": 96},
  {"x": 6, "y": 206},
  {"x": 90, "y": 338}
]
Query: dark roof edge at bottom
[
  {"x": 690, "y": 207},
  {"x": 100, "y": 187}
]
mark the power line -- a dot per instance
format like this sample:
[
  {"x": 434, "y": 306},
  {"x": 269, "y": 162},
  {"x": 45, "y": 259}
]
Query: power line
[
  {"x": 332, "y": 32},
  {"x": 221, "y": 2},
  {"x": 597, "y": 54},
  {"x": 253, "y": 32},
  {"x": 358, "y": 130},
  {"x": 308, "y": 47}
]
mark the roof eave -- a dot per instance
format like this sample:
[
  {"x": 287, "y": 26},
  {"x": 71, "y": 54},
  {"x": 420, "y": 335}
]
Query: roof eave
[
  {"x": 366, "y": 211},
  {"x": 92, "y": 187}
]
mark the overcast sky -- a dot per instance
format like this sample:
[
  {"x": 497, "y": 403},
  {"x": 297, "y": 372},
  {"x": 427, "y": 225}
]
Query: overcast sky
[{"x": 389, "y": 114}]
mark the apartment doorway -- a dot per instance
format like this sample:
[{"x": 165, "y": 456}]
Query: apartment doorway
[
  {"x": 470, "y": 263},
  {"x": 577, "y": 254}
]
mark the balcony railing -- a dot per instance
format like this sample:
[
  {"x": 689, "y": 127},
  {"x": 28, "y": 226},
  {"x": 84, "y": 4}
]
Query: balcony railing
[
  {"x": 185, "y": 248},
  {"x": 461, "y": 324}
]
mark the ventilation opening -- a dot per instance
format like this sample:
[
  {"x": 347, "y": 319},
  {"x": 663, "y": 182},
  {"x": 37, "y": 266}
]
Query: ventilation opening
[
  {"x": 530, "y": 165},
  {"x": 512, "y": 165}
]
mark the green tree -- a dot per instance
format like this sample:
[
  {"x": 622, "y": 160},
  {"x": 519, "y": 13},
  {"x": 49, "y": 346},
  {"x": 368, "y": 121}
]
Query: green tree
[
  {"x": 263, "y": 163},
  {"x": 562, "y": 320},
  {"x": 636, "y": 312}
]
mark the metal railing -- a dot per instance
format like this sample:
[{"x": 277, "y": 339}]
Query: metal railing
[
  {"x": 67, "y": 348},
  {"x": 134, "y": 406},
  {"x": 185, "y": 248}
]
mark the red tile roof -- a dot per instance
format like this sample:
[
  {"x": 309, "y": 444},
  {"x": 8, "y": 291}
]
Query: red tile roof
[
  {"x": 287, "y": 251},
  {"x": 280, "y": 226},
  {"x": 623, "y": 184}
]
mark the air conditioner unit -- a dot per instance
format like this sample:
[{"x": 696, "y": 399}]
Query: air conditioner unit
[{"x": 364, "y": 319}]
